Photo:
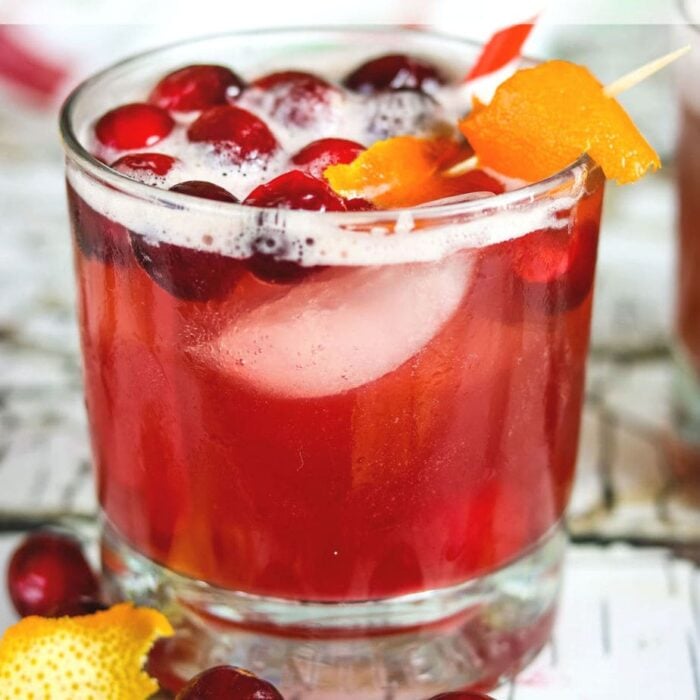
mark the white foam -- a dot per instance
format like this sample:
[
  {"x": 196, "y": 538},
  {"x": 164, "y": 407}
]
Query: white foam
[{"x": 309, "y": 238}]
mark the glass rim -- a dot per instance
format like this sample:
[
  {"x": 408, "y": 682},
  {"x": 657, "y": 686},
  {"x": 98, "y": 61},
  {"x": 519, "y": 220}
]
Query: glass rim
[{"x": 105, "y": 174}]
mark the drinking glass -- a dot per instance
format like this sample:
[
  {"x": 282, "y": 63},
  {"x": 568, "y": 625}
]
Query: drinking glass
[{"x": 336, "y": 448}]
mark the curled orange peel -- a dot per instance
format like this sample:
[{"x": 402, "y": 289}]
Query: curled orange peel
[
  {"x": 93, "y": 657},
  {"x": 544, "y": 118},
  {"x": 396, "y": 172}
]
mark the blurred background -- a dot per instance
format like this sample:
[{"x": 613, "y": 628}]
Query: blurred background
[{"x": 632, "y": 482}]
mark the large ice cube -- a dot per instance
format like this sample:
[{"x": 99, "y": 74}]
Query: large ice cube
[{"x": 340, "y": 330}]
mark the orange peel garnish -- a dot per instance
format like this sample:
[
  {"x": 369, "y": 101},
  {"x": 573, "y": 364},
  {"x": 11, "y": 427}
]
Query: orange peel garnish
[
  {"x": 396, "y": 172},
  {"x": 542, "y": 119},
  {"x": 90, "y": 656}
]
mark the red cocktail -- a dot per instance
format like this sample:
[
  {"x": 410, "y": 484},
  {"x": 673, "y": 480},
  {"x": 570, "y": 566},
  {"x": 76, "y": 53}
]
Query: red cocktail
[{"x": 333, "y": 424}]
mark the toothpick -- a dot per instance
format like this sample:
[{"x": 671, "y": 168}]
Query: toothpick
[
  {"x": 637, "y": 76},
  {"x": 463, "y": 167},
  {"x": 612, "y": 90}
]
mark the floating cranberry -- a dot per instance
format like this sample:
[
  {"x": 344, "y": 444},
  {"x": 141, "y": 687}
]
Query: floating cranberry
[
  {"x": 461, "y": 695},
  {"x": 97, "y": 236},
  {"x": 557, "y": 266},
  {"x": 133, "y": 125},
  {"x": 296, "y": 190},
  {"x": 318, "y": 155},
  {"x": 75, "y": 608},
  {"x": 394, "y": 72},
  {"x": 234, "y": 133},
  {"x": 400, "y": 112},
  {"x": 49, "y": 571},
  {"x": 206, "y": 190},
  {"x": 359, "y": 204},
  {"x": 228, "y": 683},
  {"x": 295, "y": 97},
  {"x": 196, "y": 87},
  {"x": 144, "y": 167}
]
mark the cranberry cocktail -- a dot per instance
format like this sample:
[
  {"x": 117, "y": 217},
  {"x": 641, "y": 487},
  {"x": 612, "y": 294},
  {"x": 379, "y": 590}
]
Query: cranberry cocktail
[{"x": 316, "y": 415}]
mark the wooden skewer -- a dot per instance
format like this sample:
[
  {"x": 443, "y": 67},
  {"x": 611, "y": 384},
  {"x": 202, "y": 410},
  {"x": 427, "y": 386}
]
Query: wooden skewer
[{"x": 612, "y": 90}]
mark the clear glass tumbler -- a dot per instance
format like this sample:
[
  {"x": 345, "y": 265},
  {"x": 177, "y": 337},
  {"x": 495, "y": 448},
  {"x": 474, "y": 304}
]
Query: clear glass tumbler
[
  {"x": 350, "y": 480},
  {"x": 687, "y": 341}
]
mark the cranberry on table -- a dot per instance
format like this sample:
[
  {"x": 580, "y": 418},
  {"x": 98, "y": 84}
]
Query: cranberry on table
[
  {"x": 394, "y": 72},
  {"x": 318, "y": 155},
  {"x": 49, "y": 572},
  {"x": 234, "y": 133},
  {"x": 134, "y": 125},
  {"x": 205, "y": 190},
  {"x": 228, "y": 683},
  {"x": 143, "y": 166},
  {"x": 196, "y": 87},
  {"x": 296, "y": 190},
  {"x": 295, "y": 97}
]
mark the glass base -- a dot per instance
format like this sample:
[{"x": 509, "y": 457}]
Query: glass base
[
  {"x": 686, "y": 397},
  {"x": 471, "y": 636}
]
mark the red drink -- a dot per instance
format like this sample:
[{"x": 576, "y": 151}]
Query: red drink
[
  {"x": 687, "y": 345},
  {"x": 338, "y": 407}
]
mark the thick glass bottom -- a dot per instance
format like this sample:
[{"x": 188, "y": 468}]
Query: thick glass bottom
[{"x": 470, "y": 636}]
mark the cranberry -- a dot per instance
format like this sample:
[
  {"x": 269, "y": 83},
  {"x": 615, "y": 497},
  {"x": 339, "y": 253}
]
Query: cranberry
[
  {"x": 235, "y": 133},
  {"x": 394, "y": 72},
  {"x": 359, "y": 204},
  {"x": 461, "y": 695},
  {"x": 557, "y": 266},
  {"x": 296, "y": 190},
  {"x": 192, "y": 275},
  {"x": 46, "y": 571},
  {"x": 228, "y": 683},
  {"x": 196, "y": 87},
  {"x": 318, "y": 155},
  {"x": 206, "y": 190},
  {"x": 145, "y": 167},
  {"x": 295, "y": 97},
  {"x": 133, "y": 125},
  {"x": 97, "y": 236},
  {"x": 75, "y": 608},
  {"x": 400, "y": 112}
]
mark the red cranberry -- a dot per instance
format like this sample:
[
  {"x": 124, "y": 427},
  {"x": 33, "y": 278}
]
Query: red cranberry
[
  {"x": 75, "y": 608},
  {"x": 144, "y": 167},
  {"x": 228, "y": 683},
  {"x": 235, "y": 133},
  {"x": 295, "y": 97},
  {"x": 206, "y": 190},
  {"x": 133, "y": 125},
  {"x": 46, "y": 571},
  {"x": 318, "y": 155},
  {"x": 97, "y": 236},
  {"x": 189, "y": 274},
  {"x": 296, "y": 190},
  {"x": 196, "y": 87},
  {"x": 461, "y": 695},
  {"x": 557, "y": 266},
  {"x": 394, "y": 72},
  {"x": 400, "y": 112},
  {"x": 359, "y": 204}
]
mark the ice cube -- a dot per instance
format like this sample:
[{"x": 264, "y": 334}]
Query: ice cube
[{"x": 339, "y": 330}]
